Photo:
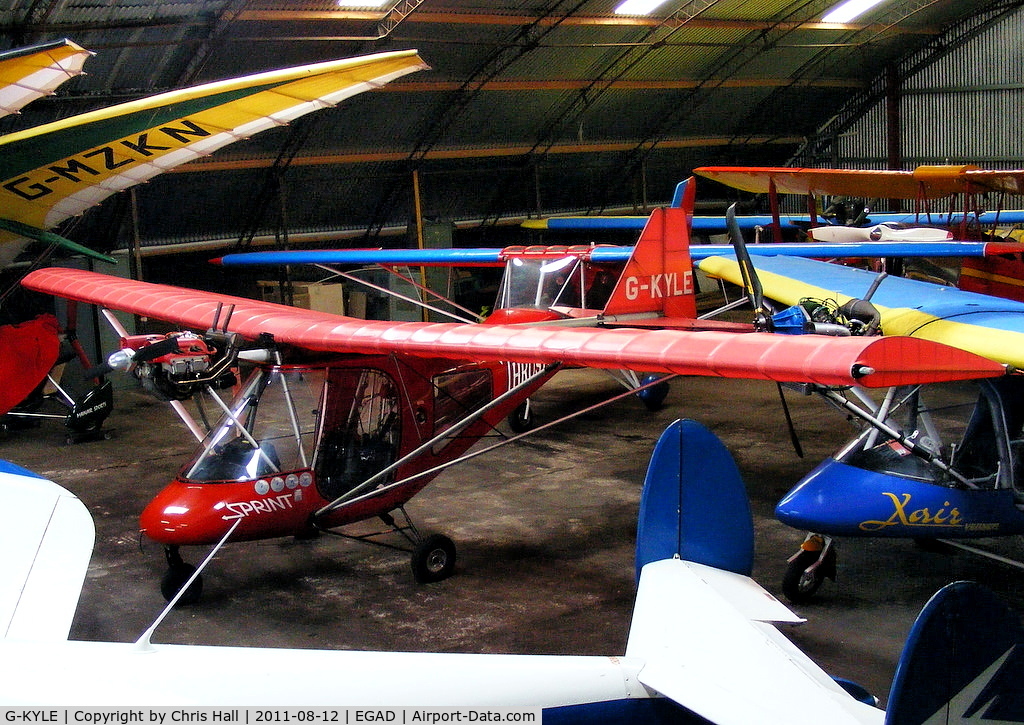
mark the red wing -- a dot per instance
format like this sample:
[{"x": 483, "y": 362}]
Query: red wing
[
  {"x": 30, "y": 350},
  {"x": 874, "y": 362}
]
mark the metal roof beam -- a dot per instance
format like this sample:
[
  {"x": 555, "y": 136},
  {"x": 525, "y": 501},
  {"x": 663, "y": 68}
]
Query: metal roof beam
[
  {"x": 447, "y": 154},
  {"x": 452, "y": 17},
  {"x": 621, "y": 84}
]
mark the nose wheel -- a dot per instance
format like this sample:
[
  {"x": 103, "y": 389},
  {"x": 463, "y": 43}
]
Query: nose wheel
[
  {"x": 809, "y": 568},
  {"x": 178, "y": 573}
]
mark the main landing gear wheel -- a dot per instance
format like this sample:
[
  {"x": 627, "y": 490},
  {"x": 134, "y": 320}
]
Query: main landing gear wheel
[
  {"x": 653, "y": 397},
  {"x": 804, "y": 575},
  {"x": 433, "y": 559},
  {"x": 178, "y": 572},
  {"x": 521, "y": 420}
]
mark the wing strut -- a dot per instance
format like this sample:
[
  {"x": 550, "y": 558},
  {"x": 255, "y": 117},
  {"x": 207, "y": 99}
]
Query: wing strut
[
  {"x": 405, "y": 298},
  {"x": 143, "y": 643}
]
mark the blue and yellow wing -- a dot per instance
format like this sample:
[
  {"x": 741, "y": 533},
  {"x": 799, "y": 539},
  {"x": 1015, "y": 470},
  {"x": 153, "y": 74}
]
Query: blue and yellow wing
[{"x": 992, "y": 327}]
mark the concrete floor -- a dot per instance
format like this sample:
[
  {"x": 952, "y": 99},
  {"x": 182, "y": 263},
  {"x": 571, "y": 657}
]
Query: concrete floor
[{"x": 545, "y": 530}]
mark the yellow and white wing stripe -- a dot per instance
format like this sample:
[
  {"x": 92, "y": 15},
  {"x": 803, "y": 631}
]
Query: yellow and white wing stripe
[
  {"x": 30, "y": 73},
  {"x": 58, "y": 170}
]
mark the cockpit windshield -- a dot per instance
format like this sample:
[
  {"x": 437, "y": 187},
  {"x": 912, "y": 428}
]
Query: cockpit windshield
[
  {"x": 541, "y": 283},
  {"x": 268, "y": 428},
  {"x": 970, "y": 428}
]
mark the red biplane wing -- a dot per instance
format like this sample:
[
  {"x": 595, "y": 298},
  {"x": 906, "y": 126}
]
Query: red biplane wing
[
  {"x": 874, "y": 362},
  {"x": 924, "y": 182}
]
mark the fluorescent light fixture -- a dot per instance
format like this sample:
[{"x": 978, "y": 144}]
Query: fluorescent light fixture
[
  {"x": 637, "y": 7},
  {"x": 847, "y": 11},
  {"x": 362, "y": 3}
]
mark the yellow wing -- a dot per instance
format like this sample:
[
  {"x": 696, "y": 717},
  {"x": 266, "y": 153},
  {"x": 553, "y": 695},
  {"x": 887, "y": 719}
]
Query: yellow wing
[
  {"x": 30, "y": 73},
  {"x": 52, "y": 172}
]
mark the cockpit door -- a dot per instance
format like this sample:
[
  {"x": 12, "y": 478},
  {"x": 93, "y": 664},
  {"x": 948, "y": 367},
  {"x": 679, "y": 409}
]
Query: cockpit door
[{"x": 360, "y": 431}]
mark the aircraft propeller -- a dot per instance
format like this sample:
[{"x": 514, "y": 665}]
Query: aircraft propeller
[
  {"x": 751, "y": 283},
  {"x": 762, "y": 311}
]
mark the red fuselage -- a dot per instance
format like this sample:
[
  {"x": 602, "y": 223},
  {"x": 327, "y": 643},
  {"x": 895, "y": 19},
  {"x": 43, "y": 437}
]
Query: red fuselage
[{"x": 299, "y": 437}]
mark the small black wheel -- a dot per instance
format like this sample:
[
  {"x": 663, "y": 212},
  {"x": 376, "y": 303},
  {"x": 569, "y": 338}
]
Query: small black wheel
[
  {"x": 433, "y": 559},
  {"x": 798, "y": 584},
  {"x": 521, "y": 420},
  {"x": 175, "y": 579}
]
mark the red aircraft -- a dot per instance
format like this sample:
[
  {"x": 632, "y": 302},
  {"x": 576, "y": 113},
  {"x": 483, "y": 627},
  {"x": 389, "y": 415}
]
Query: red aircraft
[{"x": 343, "y": 420}]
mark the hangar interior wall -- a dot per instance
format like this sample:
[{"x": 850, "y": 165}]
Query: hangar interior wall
[{"x": 963, "y": 106}]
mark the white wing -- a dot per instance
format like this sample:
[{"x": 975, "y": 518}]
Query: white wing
[
  {"x": 46, "y": 535},
  {"x": 707, "y": 641}
]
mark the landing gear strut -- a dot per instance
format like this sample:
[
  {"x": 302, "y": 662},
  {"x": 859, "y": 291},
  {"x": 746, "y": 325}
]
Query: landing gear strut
[
  {"x": 521, "y": 419},
  {"x": 432, "y": 556}
]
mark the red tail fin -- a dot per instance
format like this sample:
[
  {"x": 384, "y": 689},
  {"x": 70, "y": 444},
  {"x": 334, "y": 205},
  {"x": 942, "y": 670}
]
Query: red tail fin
[{"x": 659, "y": 275}]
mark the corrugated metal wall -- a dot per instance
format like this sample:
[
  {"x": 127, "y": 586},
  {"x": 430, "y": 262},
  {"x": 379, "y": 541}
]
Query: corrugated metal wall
[{"x": 964, "y": 106}]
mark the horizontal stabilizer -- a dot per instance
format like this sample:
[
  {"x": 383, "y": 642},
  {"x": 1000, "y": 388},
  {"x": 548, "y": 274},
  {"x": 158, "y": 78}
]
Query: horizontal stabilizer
[
  {"x": 963, "y": 662},
  {"x": 702, "y": 635},
  {"x": 47, "y": 543}
]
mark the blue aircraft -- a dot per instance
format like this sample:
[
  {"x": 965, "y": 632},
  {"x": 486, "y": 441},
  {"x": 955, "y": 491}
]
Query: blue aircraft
[{"x": 930, "y": 462}]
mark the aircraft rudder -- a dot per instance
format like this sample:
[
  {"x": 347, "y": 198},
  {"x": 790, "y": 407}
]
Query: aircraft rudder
[
  {"x": 694, "y": 505},
  {"x": 659, "y": 275},
  {"x": 962, "y": 661}
]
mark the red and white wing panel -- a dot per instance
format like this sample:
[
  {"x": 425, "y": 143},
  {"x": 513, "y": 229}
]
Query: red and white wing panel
[{"x": 873, "y": 362}]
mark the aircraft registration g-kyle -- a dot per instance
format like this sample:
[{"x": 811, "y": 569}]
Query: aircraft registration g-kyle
[
  {"x": 343, "y": 420},
  {"x": 56, "y": 171},
  {"x": 935, "y": 462},
  {"x": 704, "y": 643}
]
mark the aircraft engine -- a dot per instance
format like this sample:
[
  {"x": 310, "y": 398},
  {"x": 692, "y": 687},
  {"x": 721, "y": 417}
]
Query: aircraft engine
[{"x": 176, "y": 365}]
